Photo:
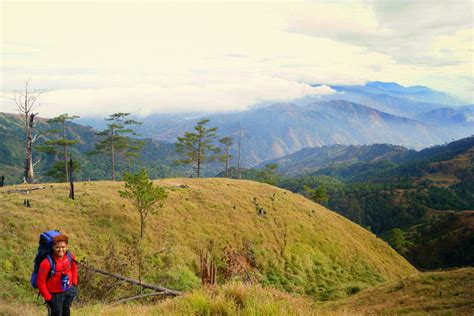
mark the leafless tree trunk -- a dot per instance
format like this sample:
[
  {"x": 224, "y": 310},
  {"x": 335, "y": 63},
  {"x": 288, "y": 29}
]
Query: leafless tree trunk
[
  {"x": 29, "y": 173},
  {"x": 166, "y": 291},
  {"x": 26, "y": 103}
]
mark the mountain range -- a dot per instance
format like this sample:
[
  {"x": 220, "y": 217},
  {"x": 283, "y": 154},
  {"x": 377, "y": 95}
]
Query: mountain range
[
  {"x": 314, "y": 160},
  {"x": 282, "y": 129},
  {"x": 377, "y": 112}
]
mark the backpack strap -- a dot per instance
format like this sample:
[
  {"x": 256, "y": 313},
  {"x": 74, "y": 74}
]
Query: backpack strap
[
  {"x": 52, "y": 265},
  {"x": 69, "y": 257}
]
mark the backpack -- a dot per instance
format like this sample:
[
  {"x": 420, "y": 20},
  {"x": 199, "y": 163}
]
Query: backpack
[{"x": 45, "y": 251}]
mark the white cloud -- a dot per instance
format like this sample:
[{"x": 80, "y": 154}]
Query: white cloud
[
  {"x": 95, "y": 58},
  {"x": 151, "y": 98}
]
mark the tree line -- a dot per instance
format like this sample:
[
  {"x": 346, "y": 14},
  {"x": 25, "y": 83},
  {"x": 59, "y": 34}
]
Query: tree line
[{"x": 118, "y": 141}]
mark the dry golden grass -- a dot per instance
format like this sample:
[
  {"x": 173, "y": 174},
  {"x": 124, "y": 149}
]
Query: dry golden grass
[
  {"x": 431, "y": 293},
  {"x": 230, "y": 299},
  {"x": 326, "y": 256}
]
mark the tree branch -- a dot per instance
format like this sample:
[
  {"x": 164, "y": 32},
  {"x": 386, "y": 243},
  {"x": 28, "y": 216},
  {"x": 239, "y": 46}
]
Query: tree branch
[
  {"x": 36, "y": 137},
  {"x": 37, "y": 162},
  {"x": 165, "y": 291},
  {"x": 26, "y": 190},
  {"x": 136, "y": 297}
]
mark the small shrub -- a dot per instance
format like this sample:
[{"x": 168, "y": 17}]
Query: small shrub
[{"x": 181, "y": 279}]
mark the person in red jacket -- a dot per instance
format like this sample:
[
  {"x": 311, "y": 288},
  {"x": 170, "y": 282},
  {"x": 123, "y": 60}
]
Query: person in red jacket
[{"x": 59, "y": 290}]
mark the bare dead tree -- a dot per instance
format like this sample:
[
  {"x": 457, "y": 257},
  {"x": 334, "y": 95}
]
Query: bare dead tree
[
  {"x": 144, "y": 285},
  {"x": 26, "y": 102}
]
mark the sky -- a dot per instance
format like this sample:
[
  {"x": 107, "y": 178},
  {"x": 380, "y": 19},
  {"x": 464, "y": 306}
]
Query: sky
[{"x": 97, "y": 58}]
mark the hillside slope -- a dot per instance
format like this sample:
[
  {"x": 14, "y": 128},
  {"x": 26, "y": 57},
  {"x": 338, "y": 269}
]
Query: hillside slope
[
  {"x": 416, "y": 192},
  {"x": 297, "y": 246},
  {"x": 309, "y": 160},
  {"x": 434, "y": 293}
]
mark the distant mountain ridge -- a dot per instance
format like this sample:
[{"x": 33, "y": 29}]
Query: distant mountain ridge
[
  {"x": 309, "y": 160},
  {"x": 413, "y": 93},
  {"x": 281, "y": 129},
  {"x": 349, "y": 161},
  {"x": 445, "y": 165},
  {"x": 377, "y": 112},
  {"x": 461, "y": 115}
]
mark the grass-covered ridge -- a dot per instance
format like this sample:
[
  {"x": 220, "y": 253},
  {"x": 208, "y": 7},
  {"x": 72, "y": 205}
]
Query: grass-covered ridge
[
  {"x": 325, "y": 256},
  {"x": 430, "y": 293}
]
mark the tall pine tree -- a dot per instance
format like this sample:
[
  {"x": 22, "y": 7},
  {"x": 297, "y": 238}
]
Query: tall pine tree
[
  {"x": 227, "y": 142},
  {"x": 116, "y": 138},
  {"x": 61, "y": 144},
  {"x": 197, "y": 147}
]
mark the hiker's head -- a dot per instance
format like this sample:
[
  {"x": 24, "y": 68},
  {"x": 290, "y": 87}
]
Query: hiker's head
[{"x": 60, "y": 245}]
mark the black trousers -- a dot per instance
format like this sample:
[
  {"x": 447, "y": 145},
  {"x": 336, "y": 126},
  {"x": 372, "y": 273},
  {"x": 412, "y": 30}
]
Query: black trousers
[{"x": 61, "y": 302}]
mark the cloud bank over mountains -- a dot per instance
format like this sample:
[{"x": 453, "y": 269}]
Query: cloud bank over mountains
[{"x": 97, "y": 58}]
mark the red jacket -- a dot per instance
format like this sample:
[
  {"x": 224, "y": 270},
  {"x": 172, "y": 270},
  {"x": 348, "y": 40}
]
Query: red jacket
[{"x": 53, "y": 285}]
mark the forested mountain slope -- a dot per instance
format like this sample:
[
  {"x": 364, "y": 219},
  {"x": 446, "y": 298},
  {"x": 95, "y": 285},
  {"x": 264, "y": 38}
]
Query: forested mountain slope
[
  {"x": 156, "y": 156},
  {"x": 416, "y": 204}
]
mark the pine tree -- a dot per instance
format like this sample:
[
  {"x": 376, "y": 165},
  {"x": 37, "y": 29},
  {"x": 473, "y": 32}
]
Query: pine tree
[
  {"x": 116, "y": 138},
  {"x": 133, "y": 151},
  {"x": 145, "y": 197},
  {"x": 318, "y": 194},
  {"x": 52, "y": 146},
  {"x": 227, "y": 142},
  {"x": 197, "y": 147}
]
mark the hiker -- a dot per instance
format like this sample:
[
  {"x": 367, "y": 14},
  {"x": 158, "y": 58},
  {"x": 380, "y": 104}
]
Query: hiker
[{"x": 58, "y": 289}]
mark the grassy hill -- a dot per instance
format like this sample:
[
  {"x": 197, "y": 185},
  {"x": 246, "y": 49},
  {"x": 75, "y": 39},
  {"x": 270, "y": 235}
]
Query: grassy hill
[
  {"x": 432, "y": 293},
  {"x": 298, "y": 246}
]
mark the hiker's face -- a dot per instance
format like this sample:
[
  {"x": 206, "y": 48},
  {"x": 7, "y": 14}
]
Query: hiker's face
[{"x": 60, "y": 249}]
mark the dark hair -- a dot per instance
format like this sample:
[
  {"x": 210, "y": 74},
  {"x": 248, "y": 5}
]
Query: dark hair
[{"x": 60, "y": 238}]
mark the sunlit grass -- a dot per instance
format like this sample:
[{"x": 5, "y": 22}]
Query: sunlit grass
[{"x": 326, "y": 256}]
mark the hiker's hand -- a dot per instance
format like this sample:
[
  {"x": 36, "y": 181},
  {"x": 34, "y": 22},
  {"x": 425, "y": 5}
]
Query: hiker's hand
[{"x": 49, "y": 303}]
